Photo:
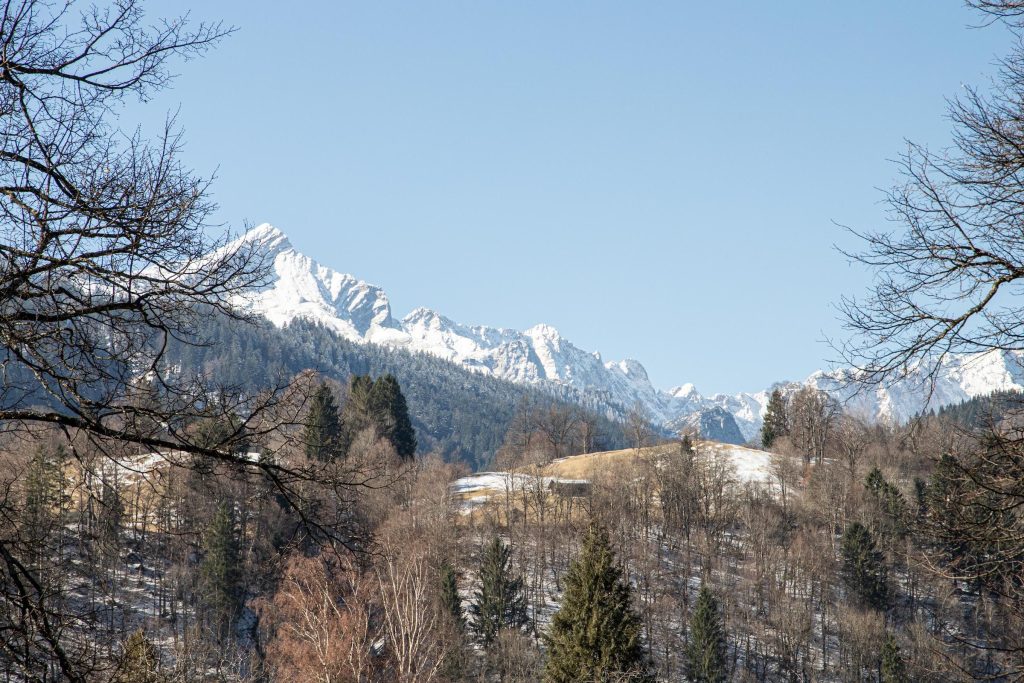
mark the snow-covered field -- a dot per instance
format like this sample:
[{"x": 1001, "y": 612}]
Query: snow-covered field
[{"x": 751, "y": 466}]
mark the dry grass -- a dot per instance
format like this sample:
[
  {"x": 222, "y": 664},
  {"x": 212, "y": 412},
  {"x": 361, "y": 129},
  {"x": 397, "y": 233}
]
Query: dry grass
[
  {"x": 585, "y": 466},
  {"x": 476, "y": 494}
]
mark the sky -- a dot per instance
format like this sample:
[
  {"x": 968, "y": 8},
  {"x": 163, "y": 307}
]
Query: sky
[{"x": 663, "y": 181}]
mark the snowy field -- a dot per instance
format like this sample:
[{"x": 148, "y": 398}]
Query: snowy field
[{"x": 752, "y": 466}]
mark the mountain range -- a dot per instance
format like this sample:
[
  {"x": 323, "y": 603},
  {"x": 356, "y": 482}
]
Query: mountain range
[{"x": 302, "y": 288}]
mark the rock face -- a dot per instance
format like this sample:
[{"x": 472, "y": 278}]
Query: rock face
[
  {"x": 716, "y": 424},
  {"x": 358, "y": 311}
]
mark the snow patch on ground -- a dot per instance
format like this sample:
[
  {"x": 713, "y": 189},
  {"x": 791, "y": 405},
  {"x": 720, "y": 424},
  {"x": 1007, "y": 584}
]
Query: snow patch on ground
[{"x": 752, "y": 465}]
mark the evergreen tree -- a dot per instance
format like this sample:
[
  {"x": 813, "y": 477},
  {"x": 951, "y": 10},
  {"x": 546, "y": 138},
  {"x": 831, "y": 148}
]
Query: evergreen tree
[
  {"x": 499, "y": 603},
  {"x": 219, "y": 571},
  {"x": 705, "y": 650},
  {"x": 595, "y": 635},
  {"x": 110, "y": 518},
  {"x": 218, "y": 431},
  {"x": 863, "y": 569},
  {"x": 357, "y": 413},
  {"x": 451, "y": 602},
  {"x": 322, "y": 434},
  {"x": 45, "y": 498},
  {"x": 921, "y": 497},
  {"x": 776, "y": 422},
  {"x": 889, "y": 502},
  {"x": 894, "y": 670},
  {"x": 139, "y": 661},
  {"x": 965, "y": 518},
  {"x": 391, "y": 415}
]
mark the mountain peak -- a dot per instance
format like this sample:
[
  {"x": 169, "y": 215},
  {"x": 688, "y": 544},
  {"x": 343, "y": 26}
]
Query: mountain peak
[
  {"x": 684, "y": 391},
  {"x": 266, "y": 236},
  {"x": 630, "y": 368},
  {"x": 543, "y": 330},
  {"x": 422, "y": 314}
]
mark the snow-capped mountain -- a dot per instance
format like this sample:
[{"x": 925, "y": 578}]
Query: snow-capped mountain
[
  {"x": 301, "y": 288},
  {"x": 358, "y": 311}
]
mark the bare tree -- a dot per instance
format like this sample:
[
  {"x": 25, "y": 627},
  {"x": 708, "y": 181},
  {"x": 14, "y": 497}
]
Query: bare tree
[
  {"x": 105, "y": 260},
  {"x": 638, "y": 426},
  {"x": 812, "y": 417},
  {"x": 946, "y": 279},
  {"x": 557, "y": 426},
  {"x": 589, "y": 431},
  {"x": 318, "y": 626},
  {"x": 412, "y": 620}
]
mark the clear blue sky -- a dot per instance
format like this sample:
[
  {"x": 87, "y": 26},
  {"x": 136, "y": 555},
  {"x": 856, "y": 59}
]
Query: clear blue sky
[{"x": 658, "y": 180}]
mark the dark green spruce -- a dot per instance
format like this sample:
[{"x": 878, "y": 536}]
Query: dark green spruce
[
  {"x": 776, "y": 423},
  {"x": 220, "y": 580},
  {"x": 894, "y": 669},
  {"x": 499, "y": 602},
  {"x": 863, "y": 568},
  {"x": 705, "y": 649},
  {"x": 378, "y": 404},
  {"x": 322, "y": 434},
  {"x": 595, "y": 635},
  {"x": 889, "y": 502},
  {"x": 391, "y": 414},
  {"x": 451, "y": 602}
]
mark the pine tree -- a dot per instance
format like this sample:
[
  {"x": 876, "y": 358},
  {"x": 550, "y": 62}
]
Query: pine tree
[
  {"x": 322, "y": 434},
  {"x": 705, "y": 650},
  {"x": 921, "y": 497},
  {"x": 451, "y": 602},
  {"x": 499, "y": 603},
  {"x": 890, "y": 503},
  {"x": 45, "y": 497},
  {"x": 776, "y": 422},
  {"x": 595, "y": 635},
  {"x": 863, "y": 569},
  {"x": 959, "y": 515},
  {"x": 110, "y": 518},
  {"x": 357, "y": 413},
  {"x": 139, "y": 661},
  {"x": 894, "y": 669},
  {"x": 218, "y": 431},
  {"x": 391, "y": 415},
  {"x": 219, "y": 571}
]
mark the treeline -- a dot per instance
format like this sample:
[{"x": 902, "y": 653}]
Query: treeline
[
  {"x": 982, "y": 411},
  {"x": 458, "y": 413}
]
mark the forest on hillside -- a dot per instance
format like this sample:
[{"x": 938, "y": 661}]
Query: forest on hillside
[
  {"x": 459, "y": 414},
  {"x": 835, "y": 569}
]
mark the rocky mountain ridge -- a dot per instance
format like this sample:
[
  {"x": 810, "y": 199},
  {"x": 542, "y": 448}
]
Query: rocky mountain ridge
[{"x": 358, "y": 311}]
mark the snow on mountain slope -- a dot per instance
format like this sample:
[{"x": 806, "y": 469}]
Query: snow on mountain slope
[
  {"x": 302, "y": 288},
  {"x": 358, "y": 311}
]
